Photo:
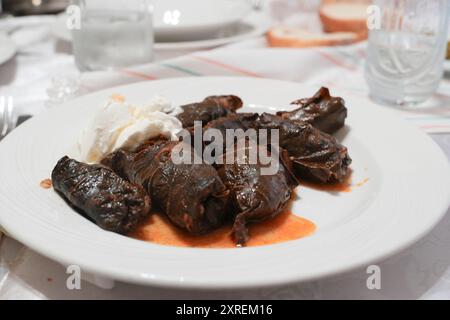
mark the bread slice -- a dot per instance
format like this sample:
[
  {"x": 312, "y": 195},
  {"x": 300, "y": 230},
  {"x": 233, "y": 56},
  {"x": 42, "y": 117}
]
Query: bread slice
[
  {"x": 344, "y": 16},
  {"x": 300, "y": 38}
]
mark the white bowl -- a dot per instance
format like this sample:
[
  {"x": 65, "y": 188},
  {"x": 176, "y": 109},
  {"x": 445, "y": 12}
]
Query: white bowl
[{"x": 180, "y": 20}]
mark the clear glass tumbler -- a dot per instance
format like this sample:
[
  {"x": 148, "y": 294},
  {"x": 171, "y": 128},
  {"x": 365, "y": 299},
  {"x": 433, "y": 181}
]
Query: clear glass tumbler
[
  {"x": 112, "y": 33},
  {"x": 406, "y": 50}
]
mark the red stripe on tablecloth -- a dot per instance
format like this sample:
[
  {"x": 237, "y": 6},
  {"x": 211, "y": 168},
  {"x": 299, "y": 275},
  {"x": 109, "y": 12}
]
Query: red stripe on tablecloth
[
  {"x": 335, "y": 61},
  {"x": 435, "y": 126},
  {"x": 227, "y": 66},
  {"x": 138, "y": 74}
]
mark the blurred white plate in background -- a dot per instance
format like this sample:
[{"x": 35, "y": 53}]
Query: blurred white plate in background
[
  {"x": 405, "y": 197},
  {"x": 7, "y": 48}
]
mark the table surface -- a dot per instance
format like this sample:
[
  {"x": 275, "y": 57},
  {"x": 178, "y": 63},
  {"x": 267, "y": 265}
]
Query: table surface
[{"x": 419, "y": 272}]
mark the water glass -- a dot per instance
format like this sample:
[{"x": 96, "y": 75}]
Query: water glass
[
  {"x": 406, "y": 50},
  {"x": 111, "y": 33}
]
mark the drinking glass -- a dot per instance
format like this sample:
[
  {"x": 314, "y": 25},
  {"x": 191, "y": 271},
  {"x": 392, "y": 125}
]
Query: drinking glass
[
  {"x": 111, "y": 33},
  {"x": 406, "y": 50}
]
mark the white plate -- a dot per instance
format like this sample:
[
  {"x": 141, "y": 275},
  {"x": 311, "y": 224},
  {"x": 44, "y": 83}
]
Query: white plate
[
  {"x": 180, "y": 20},
  {"x": 7, "y": 48},
  {"x": 253, "y": 25},
  {"x": 406, "y": 195},
  {"x": 447, "y": 61}
]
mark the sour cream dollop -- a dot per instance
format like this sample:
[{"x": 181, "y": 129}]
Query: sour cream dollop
[{"x": 119, "y": 124}]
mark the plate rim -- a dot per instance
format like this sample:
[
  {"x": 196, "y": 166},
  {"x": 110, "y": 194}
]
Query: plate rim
[{"x": 245, "y": 8}]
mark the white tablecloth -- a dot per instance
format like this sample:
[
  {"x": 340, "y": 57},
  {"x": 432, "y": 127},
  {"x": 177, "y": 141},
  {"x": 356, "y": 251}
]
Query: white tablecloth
[{"x": 421, "y": 271}]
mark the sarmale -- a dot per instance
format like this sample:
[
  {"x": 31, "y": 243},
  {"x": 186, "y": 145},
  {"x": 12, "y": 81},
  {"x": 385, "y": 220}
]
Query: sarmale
[
  {"x": 317, "y": 156},
  {"x": 322, "y": 111},
  {"x": 255, "y": 196}
]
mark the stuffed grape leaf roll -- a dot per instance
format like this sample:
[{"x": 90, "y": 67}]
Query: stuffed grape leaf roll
[
  {"x": 255, "y": 196},
  {"x": 110, "y": 201},
  {"x": 316, "y": 156}
]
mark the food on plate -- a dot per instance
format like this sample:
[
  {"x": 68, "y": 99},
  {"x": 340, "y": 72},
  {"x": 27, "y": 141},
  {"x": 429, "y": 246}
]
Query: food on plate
[
  {"x": 133, "y": 169},
  {"x": 285, "y": 226},
  {"x": 230, "y": 102},
  {"x": 210, "y": 108},
  {"x": 317, "y": 156},
  {"x": 192, "y": 195},
  {"x": 234, "y": 121},
  {"x": 296, "y": 37},
  {"x": 121, "y": 125},
  {"x": 342, "y": 22},
  {"x": 322, "y": 111},
  {"x": 113, "y": 203},
  {"x": 46, "y": 183},
  {"x": 255, "y": 197},
  {"x": 345, "y": 16}
]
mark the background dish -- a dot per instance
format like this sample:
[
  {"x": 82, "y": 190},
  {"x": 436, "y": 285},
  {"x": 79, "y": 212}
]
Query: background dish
[
  {"x": 254, "y": 24},
  {"x": 403, "y": 199},
  {"x": 176, "y": 20}
]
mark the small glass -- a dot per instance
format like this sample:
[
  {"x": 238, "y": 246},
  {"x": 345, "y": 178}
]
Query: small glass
[
  {"x": 112, "y": 33},
  {"x": 406, "y": 50}
]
